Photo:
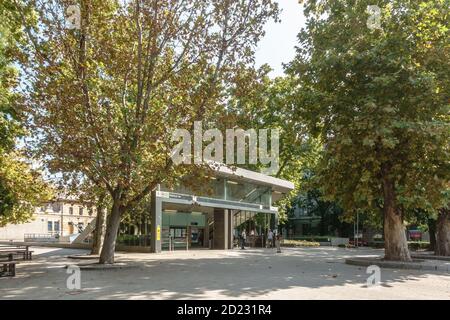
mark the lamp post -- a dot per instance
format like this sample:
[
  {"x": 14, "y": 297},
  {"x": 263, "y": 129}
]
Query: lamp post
[
  {"x": 357, "y": 228},
  {"x": 61, "y": 227}
]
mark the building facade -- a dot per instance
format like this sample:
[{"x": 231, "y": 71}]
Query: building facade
[
  {"x": 55, "y": 219},
  {"x": 233, "y": 200},
  {"x": 210, "y": 216}
]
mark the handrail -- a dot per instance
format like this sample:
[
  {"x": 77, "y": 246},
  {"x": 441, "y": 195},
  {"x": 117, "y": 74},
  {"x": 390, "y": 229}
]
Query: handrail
[{"x": 39, "y": 235}]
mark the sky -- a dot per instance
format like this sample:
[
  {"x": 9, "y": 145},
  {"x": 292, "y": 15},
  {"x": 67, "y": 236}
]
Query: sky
[{"x": 277, "y": 46}]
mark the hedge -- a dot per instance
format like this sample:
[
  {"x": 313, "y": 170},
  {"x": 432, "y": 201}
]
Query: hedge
[
  {"x": 299, "y": 243},
  {"x": 311, "y": 238},
  {"x": 412, "y": 245}
]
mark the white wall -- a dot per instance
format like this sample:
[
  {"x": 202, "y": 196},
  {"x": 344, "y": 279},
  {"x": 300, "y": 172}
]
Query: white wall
[
  {"x": 17, "y": 231},
  {"x": 39, "y": 224}
]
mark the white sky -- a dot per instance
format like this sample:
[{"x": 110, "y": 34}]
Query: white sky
[{"x": 277, "y": 46}]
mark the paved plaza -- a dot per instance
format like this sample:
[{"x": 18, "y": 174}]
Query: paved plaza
[{"x": 296, "y": 273}]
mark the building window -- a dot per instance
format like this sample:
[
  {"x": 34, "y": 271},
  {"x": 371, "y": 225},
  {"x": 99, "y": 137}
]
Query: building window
[
  {"x": 71, "y": 210},
  {"x": 80, "y": 211},
  {"x": 56, "y": 207},
  {"x": 91, "y": 212},
  {"x": 50, "y": 226},
  {"x": 56, "y": 226}
]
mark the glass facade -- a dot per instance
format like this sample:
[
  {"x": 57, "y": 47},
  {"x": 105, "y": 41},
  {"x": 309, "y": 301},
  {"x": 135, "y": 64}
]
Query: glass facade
[
  {"x": 227, "y": 189},
  {"x": 183, "y": 230},
  {"x": 212, "y": 188},
  {"x": 183, "y": 219},
  {"x": 247, "y": 192},
  {"x": 215, "y": 218},
  {"x": 256, "y": 226}
]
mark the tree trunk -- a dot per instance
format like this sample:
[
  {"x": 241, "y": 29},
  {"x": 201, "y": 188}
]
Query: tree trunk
[
  {"x": 395, "y": 244},
  {"x": 99, "y": 232},
  {"x": 112, "y": 227},
  {"x": 432, "y": 231},
  {"x": 443, "y": 233}
]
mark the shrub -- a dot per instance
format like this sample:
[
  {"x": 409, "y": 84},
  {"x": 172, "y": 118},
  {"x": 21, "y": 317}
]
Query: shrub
[
  {"x": 417, "y": 245},
  {"x": 412, "y": 245},
  {"x": 377, "y": 244},
  {"x": 299, "y": 243},
  {"x": 311, "y": 238}
]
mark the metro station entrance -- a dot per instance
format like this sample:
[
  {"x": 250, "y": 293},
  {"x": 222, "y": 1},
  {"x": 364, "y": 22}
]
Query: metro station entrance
[
  {"x": 184, "y": 238},
  {"x": 214, "y": 215},
  {"x": 183, "y": 230},
  {"x": 195, "y": 226}
]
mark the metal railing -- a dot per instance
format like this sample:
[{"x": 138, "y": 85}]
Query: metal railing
[
  {"x": 41, "y": 237},
  {"x": 174, "y": 243}
]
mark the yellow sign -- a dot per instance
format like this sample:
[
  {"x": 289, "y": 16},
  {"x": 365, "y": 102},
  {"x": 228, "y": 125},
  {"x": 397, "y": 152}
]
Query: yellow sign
[{"x": 158, "y": 233}]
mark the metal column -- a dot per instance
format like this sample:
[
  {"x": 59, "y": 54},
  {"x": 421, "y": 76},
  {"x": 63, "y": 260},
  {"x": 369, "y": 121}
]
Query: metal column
[{"x": 156, "y": 223}]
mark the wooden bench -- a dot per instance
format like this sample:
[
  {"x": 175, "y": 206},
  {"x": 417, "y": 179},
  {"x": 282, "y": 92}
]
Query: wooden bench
[
  {"x": 25, "y": 255},
  {"x": 14, "y": 246},
  {"x": 25, "y": 252},
  {"x": 8, "y": 266},
  {"x": 8, "y": 269}
]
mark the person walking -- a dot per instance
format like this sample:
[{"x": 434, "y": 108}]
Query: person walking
[
  {"x": 278, "y": 242},
  {"x": 270, "y": 238},
  {"x": 243, "y": 239},
  {"x": 251, "y": 238},
  {"x": 200, "y": 238}
]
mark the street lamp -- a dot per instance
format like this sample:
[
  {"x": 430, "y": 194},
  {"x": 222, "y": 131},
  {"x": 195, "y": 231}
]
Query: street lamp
[{"x": 356, "y": 230}]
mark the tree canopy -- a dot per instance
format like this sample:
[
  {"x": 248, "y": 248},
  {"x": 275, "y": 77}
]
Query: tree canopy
[
  {"x": 104, "y": 99},
  {"x": 379, "y": 101},
  {"x": 21, "y": 187}
]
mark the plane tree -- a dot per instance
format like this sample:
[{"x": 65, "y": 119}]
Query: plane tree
[
  {"x": 108, "y": 87},
  {"x": 374, "y": 89}
]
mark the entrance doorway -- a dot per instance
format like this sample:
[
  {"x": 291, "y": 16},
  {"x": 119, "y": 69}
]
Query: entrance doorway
[
  {"x": 187, "y": 227},
  {"x": 71, "y": 228},
  {"x": 178, "y": 238},
  {"x": 197, "y": 237},
  {"x": 183, "y": 238},
  {"x": 183, "y": 229}
]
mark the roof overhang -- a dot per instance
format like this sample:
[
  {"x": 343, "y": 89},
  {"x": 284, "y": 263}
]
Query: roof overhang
[{"x": 239, "y": 174}]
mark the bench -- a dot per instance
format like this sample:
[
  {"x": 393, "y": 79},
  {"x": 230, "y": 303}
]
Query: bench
[
  {"x": 8, "y": 265},
  {"x": 26, "y": 253},
  {"x": 9, "y": 268},
  {"x": 12, "y": 246}
]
